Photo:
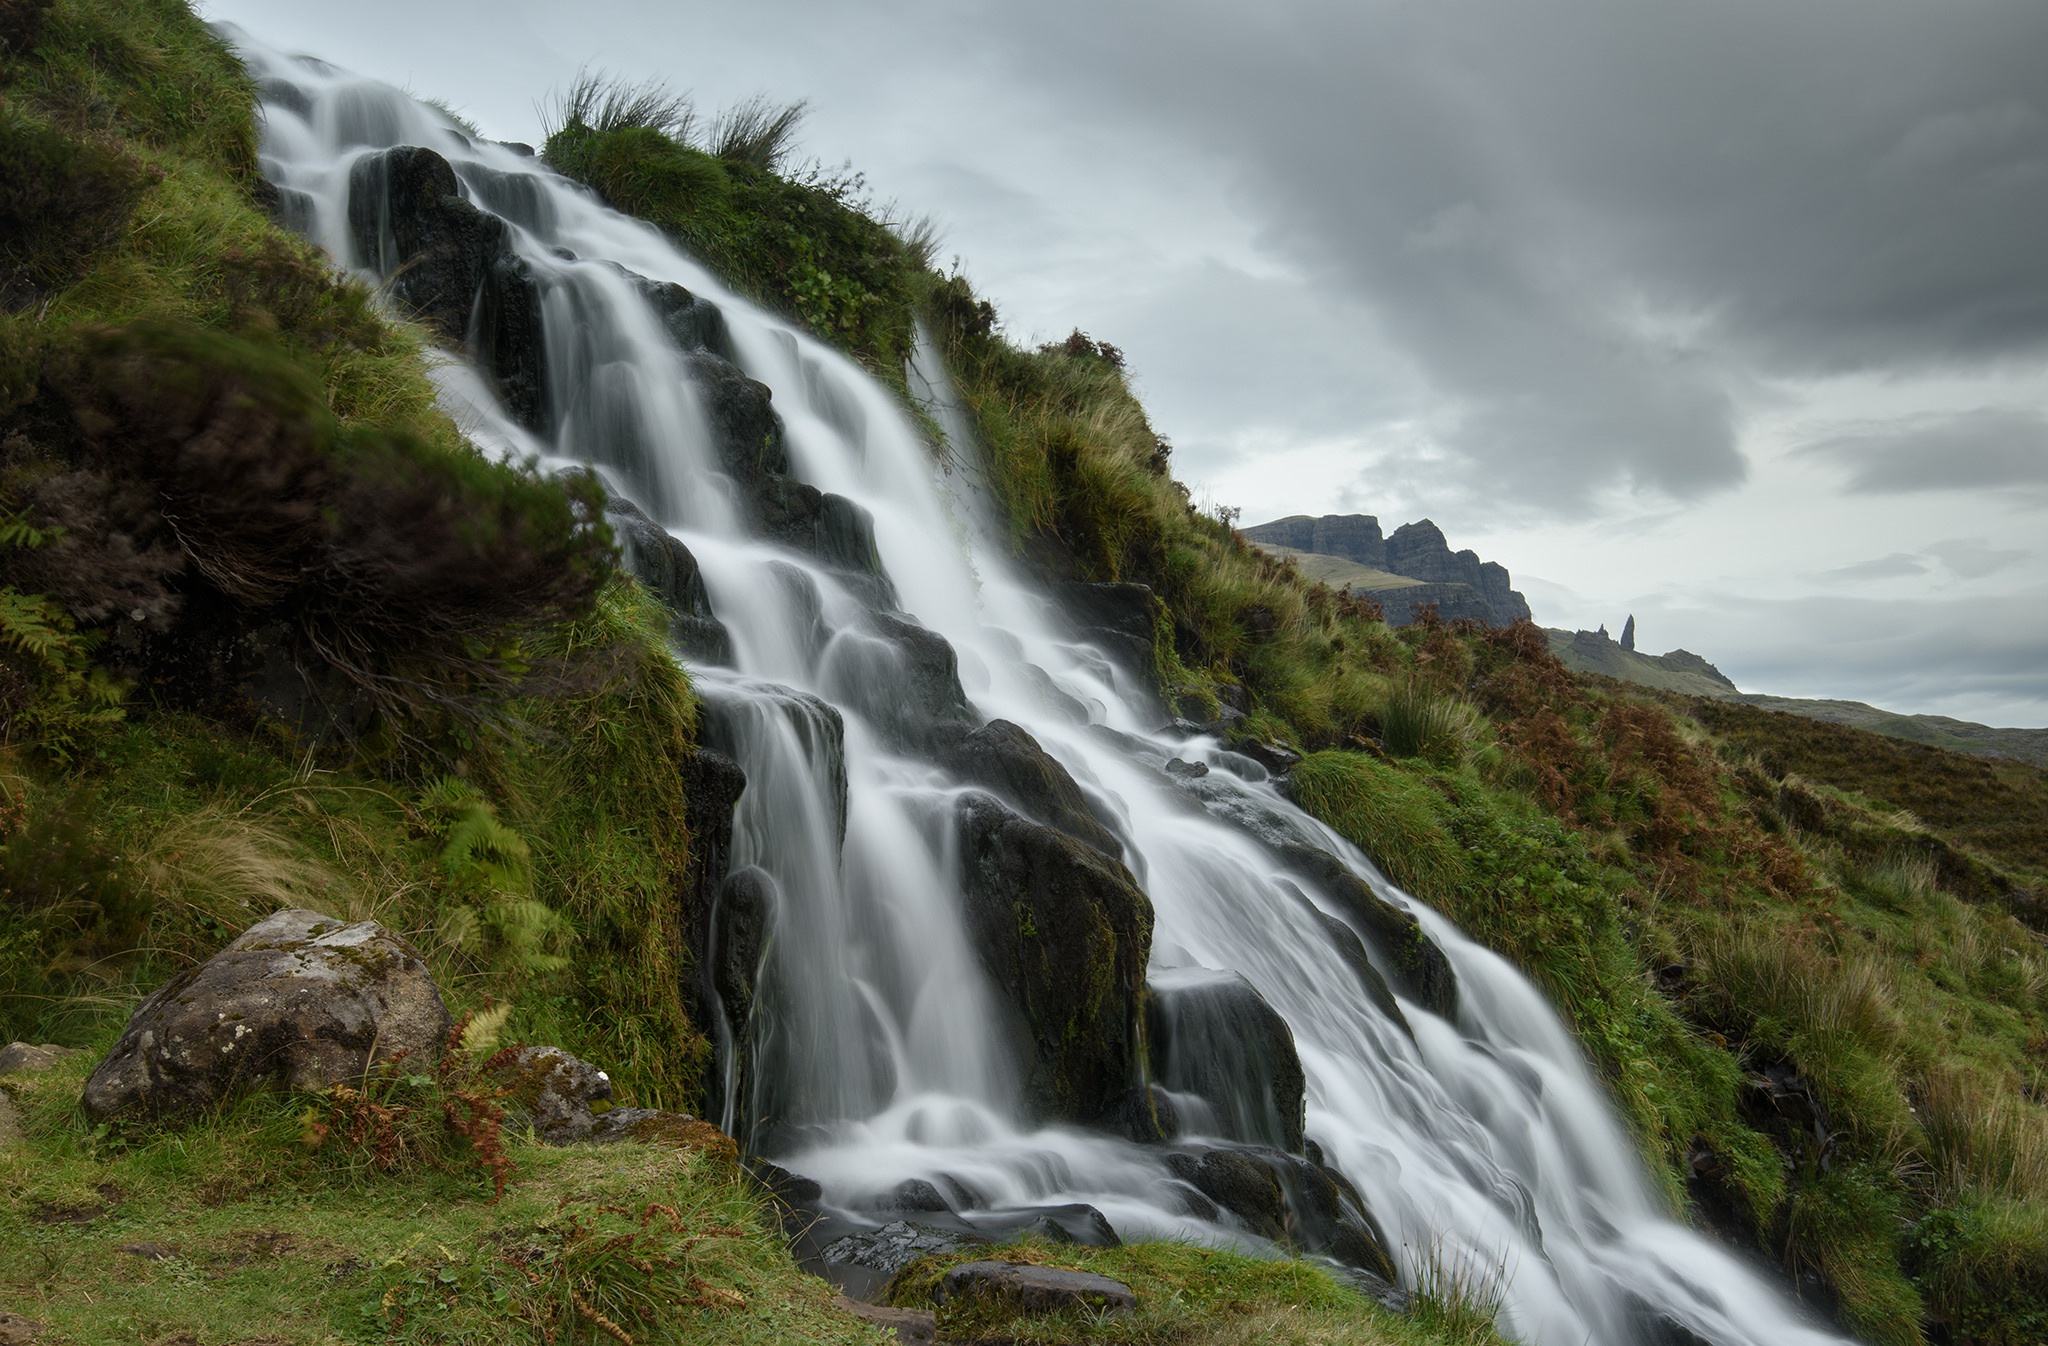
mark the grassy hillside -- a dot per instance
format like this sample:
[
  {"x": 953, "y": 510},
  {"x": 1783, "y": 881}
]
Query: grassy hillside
[{"x": 1937, "y": 731}]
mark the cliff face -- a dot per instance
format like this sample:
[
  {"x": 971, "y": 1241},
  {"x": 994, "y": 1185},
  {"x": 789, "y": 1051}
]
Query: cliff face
[{"x": 1459, "y": 583}]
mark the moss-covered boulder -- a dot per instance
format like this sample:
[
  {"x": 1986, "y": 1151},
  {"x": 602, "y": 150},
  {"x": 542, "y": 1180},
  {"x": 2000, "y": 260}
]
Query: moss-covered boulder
[
  {"x": 1063, "y": 932},
  {"x": 301, "y": 1000}
]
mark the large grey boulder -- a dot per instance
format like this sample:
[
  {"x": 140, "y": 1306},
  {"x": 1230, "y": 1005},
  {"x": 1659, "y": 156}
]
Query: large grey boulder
[{"x": 300, "y": 1000}]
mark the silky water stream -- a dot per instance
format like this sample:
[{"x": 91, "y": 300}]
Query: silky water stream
[{"x": 876, "y": 1055}]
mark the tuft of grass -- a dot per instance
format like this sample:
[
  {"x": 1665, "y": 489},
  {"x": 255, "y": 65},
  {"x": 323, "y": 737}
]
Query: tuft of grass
[
  {"x": 1419, "y": 721},
  {"x": 756, "y": 132}
]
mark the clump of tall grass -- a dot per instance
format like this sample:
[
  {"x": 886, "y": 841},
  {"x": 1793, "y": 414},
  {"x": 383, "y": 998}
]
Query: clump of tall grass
[
  {"x": 1458, "y": 1296},
  {"x": 756, "y": 131},
  {"x": 1416, "y": 720},
  {"x": 1983, "y": 1137},
  {"x": 1834, "y": 1012},
  {"x": 236, "y": 870},
  {"x": 604, "y": 103}
]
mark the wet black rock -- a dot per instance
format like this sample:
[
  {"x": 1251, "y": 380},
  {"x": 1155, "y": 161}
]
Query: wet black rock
[
  {"x": 912, "y": 1196},
  {"x": 1063, "y": 933},
  {"x": 1003, "y": 757},
  {"x": 453, "y": 266},
  {"x": 1147, "y": 1115},
  {"x": 1214, "y": 1036},
  {"x": 729, "y": 967},
  {"x": 1119, "y": 619},
  {"x": 1351, "y": 949},
  {"x": 1075, "y": 1223},
  {"x": 1277, "y": 758},
  {"x": 896, "y": 1245},
  {"x": 1421, "y": 971},
  {"x": 1294, "y": 1201},
  {"x": 1022, "y": 1288},
  {"x": 694, "y": 322},
  {"x": 1240, "y": 1183},
  {"x": 661, "y": 562}
]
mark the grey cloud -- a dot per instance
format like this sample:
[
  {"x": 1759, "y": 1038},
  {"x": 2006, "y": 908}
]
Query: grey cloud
[
  {"x": 1982, "y": 659},
  {"x": 1973, "y": 558},
  {"x": 1979, "y": 450},
  {"x": 1884, "y": 567},
  {"x": 1591, "y": 222}
]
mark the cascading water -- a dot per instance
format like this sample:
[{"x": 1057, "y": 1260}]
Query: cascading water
[{"x": 876, "y": 1051}]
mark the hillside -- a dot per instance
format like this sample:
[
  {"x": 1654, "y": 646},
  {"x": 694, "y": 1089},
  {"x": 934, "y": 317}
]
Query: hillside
[
  {"x": 377, "y": 673},
  {"x": 1599, "y": 653},
  {"x": 1684, "y": 672}
]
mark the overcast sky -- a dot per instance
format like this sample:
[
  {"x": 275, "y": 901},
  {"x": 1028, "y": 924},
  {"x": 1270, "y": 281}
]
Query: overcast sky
[{"x": 1730, "y": 315}]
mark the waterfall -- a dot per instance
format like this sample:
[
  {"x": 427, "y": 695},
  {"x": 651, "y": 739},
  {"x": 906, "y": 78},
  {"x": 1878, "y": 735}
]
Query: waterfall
[{"x": 843, "y": 653}]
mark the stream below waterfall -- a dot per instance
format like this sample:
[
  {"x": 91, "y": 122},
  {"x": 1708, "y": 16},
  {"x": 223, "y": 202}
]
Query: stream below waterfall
[{"x": 862, "y": 1041}]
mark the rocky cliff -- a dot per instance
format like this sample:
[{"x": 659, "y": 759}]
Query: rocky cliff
[{"x": 1458, "y": 583}]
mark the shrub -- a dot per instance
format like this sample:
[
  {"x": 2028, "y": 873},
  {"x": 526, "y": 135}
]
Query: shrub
[
  {"x": 62, "y": 199},
  {"x": 411, "y": 571}
]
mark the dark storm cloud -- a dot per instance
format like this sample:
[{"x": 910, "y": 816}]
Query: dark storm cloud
[
  {"x": 1974, "y": 451},
  {"x": 1591, "y": 223}
]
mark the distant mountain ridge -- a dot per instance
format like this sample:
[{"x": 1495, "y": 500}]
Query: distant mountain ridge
[
  {"x": 1687, "y": 674},
  {"x": 1412, "y": 567}
]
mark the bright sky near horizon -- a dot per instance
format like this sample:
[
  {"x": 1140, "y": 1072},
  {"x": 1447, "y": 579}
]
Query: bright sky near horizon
[{"x": 1732, "y": 316}]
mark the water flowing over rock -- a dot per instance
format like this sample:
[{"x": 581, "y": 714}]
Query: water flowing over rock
[
  {"x": 1063, "y": 932},
  {"x": 1213, "y": 1036},
  {"x": 941, "y": 850},
  {"x": 300, "y": 1000}
]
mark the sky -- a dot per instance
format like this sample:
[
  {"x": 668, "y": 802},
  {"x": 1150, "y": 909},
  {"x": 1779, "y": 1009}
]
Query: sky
[{"x": 1732, "y": 316}]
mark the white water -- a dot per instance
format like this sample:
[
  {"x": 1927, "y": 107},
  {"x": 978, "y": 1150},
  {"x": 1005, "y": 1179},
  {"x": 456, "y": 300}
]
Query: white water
[{"x": 1483, "y": 1146}]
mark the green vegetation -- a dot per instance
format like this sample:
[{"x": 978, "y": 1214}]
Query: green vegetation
[
  {"x": 804, "y": 243},
  {"x": 209, "y": 449},
  {"x": 256, "y": 1225},
  {"x": 1195, "y": 1296}
]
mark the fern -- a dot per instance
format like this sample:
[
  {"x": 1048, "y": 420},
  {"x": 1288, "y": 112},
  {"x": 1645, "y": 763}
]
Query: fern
[
  {"x": 67, "y": 698},
  {"x": 500, "y": 925}
]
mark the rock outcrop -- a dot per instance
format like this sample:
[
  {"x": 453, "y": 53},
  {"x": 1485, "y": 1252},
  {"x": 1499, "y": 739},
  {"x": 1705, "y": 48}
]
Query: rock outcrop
[
  {"x": 1458, "y": 584},
  {"x": 1297, "y": 1201},
  {"x": 1063, "y": 933},
  {"x": 452, "y": 266},
  {"x": 300, "y": 1000},
  {"x": 1213, "y": 1037},
  {"x": 1023, "y": 1288}
]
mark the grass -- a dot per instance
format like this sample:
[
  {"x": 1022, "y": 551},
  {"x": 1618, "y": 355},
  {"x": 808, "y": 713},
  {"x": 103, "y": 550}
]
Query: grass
[
  {"x": 1190, "y": 1295},
  {"x": 250, "y": 1236},
  {"x": 804, "y": 242}
]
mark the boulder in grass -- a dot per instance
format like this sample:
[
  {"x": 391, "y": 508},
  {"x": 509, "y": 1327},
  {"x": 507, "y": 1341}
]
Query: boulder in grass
[
  {"x": 301, "y": 1000},
  {"x": 1032, "y": 1290},
  {"x": 567, "y": 1100}
]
